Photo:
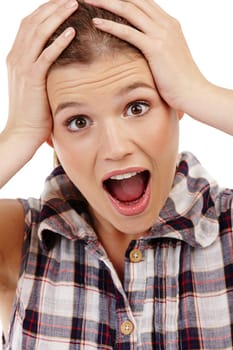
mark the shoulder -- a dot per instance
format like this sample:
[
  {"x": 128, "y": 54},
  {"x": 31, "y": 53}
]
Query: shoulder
[
  {"x": 15, "y": 214},
  {"x": 11, "y": 240},
  {"x": 11, "y": 218},
  {"x": 16, "y": 217}
]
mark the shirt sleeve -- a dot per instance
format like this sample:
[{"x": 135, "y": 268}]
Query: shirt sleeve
[{"x": 32, "y": 210}]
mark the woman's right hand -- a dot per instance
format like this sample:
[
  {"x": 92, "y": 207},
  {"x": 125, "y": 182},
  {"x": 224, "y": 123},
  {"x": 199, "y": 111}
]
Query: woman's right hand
[{"x": 28, "y": 64}]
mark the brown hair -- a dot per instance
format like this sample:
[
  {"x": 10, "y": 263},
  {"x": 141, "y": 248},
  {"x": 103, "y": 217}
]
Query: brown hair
[{"x": 90, "y": 43}]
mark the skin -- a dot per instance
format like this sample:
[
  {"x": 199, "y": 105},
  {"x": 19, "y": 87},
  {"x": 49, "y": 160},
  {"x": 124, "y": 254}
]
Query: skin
[
  {"x": 159, "y": 37},
  {"x": 113, "y": 139},
  {"x": 29, "y": 120}
]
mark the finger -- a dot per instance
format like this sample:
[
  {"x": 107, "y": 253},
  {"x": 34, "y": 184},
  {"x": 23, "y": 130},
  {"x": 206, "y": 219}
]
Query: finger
[
  {"x": 122, "y": 31},
  {"x": 44, "y": 31},
  {"x": 37, "y": 16},
  {"x": 127, "y": 10},
  {"x": 37, "y": 28},
  {"x": 44, "y": 10},
  {"x": 149, "y": 7},
  {"x": 51, "y": 53},
  {"x": 141, "y": 15}
]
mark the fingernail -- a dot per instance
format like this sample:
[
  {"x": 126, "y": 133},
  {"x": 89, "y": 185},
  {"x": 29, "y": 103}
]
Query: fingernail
[
  {"x": 71, "y": 3},
  {"x": 92, "y": 2},
  {"x": 68, "y": 32},
  {"x": 97, "y": 21}
]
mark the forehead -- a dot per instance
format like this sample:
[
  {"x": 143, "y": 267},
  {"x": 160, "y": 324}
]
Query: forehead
[{"x": 103, "y": 76}]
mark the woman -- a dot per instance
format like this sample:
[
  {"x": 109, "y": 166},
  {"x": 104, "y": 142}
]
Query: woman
[{"x": 129, "y": 245}]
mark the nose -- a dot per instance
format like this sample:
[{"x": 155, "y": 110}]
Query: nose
[{"x": 116, "y": 142}]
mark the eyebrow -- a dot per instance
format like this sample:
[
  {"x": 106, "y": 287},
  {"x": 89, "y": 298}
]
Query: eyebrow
[
  {"x": 134, "y": 86},
  {"x": 68, "y": 104},
  {"x": 123, "y": 91}
]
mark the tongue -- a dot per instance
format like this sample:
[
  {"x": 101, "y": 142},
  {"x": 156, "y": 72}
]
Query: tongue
[{"x": 127, "y": 190}]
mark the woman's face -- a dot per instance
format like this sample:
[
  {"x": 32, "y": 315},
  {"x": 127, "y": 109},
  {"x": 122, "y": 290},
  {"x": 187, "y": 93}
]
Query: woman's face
[{"x": 116, "y": 139}]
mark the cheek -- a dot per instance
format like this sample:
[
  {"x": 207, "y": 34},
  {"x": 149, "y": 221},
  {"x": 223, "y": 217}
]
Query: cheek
[
  {"x": 73, "y": 159},
  {"x": 162, "y": 135},
  {"x": 77, "y": 161}
]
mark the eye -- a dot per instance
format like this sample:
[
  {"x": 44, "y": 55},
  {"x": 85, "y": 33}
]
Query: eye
[
  {"x": 78, "y": 123},
  {"x": 137, "y": 108}
]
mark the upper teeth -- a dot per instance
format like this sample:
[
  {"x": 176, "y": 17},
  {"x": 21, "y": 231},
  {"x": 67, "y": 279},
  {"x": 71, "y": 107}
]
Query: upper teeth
[{"x": 123, "y": 176}]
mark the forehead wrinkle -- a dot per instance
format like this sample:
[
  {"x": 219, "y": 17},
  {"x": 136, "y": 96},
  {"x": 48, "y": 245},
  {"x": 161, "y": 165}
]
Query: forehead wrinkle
[
  {"x": 99, "y": 79},
  {"x": 94, "y": 84},
  {"x": 75, "y": 83}
]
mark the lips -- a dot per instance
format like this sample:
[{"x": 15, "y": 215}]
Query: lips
[{"x": 129, "y": 191}]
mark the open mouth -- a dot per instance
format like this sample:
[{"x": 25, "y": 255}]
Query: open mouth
[{"x": 129, "y": 192}]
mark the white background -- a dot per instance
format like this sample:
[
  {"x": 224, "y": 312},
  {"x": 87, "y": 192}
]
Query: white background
[{"x": 208, "y": 27}]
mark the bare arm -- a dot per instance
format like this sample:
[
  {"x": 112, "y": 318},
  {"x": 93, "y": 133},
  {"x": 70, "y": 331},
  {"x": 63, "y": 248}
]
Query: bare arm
[
  {"x": 160, "y": 38},
  {"x": 29, "y": 120},
  {"x": 212, "y": 105},
  {"x": 11, "y": 241}
]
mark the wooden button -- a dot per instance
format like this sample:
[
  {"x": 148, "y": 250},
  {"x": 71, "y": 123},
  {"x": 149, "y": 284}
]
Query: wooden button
[
  {"x": 135, "y": 255},
  {"x": 127, "y": 327}
]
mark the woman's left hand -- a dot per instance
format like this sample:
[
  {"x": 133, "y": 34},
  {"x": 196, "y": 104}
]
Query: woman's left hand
[{"x": 160, "y": 38}]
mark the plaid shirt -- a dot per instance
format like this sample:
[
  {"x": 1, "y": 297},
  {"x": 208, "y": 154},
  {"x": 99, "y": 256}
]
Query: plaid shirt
[{"x": 178, "y": 282}]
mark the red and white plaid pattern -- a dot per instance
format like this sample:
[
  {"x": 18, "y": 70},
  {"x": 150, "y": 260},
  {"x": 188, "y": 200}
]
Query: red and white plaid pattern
[{"x": 179, "y": 296}]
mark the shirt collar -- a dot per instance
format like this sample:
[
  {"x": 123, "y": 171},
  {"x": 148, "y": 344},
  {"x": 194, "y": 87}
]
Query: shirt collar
[
  {"x": 189, "y": 213},
  {"x": 63, "y": 209}
]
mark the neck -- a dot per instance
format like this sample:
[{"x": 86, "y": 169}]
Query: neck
[{"x": 115, "y": 244}]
